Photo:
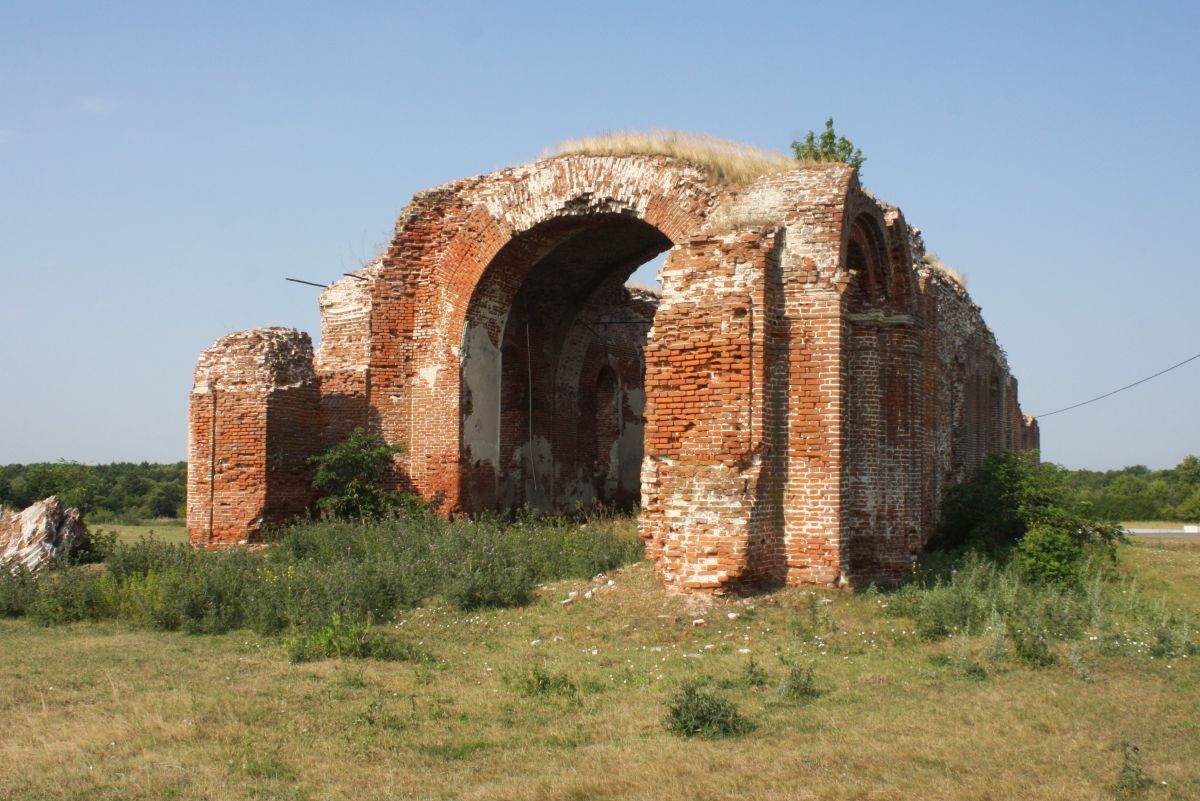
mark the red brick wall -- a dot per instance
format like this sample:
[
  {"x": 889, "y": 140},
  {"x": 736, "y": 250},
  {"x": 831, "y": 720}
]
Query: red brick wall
[
  {"x": 253, "y": 422},
  {"x": 710, "y": 478}
]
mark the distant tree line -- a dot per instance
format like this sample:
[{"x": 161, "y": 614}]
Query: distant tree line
[
  {"x": 128, "y": 492},
  {"x": 105, "y": 493},
  {"x": 1139, "y": 493}
]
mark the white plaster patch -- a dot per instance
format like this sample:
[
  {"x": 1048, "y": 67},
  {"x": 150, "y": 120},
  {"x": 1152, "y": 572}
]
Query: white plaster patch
[{"x": 429, "y": 375}]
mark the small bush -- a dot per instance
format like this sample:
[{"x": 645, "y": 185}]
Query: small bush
[
  {"x": 97, "y": 546},
  {"x": 753, "y": 675},
  {"x": 537, "y": 682},
  {"x": 798, "y": 683},
  {"x": 1131, "y": 779},
  {"x": 697, "y": 712},
  {"x": 828, "y": 146},
  {"x": 1049, "y": 554},
  {"x": 349, "y": 477}
]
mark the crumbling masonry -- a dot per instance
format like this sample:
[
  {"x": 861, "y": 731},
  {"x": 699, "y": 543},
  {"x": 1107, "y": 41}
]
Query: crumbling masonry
[{"x": 791, "y": 409}]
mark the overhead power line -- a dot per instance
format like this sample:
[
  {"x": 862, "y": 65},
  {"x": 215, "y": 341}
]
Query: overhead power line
[{"x": 1122, "y": 389}]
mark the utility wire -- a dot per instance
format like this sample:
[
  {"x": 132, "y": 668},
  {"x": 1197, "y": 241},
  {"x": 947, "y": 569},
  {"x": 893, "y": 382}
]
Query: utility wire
[
  {"x": 310, "y": 283},
  {"x": 1122, "y": 389}
]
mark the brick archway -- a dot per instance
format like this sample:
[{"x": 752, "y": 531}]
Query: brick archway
[
  {"x": 548, "y": 314},
  {"x": 513, "y": 236}
]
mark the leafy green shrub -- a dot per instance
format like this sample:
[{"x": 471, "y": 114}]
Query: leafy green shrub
[
  {"x": 97, "y": 546},
  {"x": 697, "y": 712},
  {"x": 1011, "y": 493},
  {"x": 349, "y": 478},
  {"x": 828, "y": 146},
  {"x": 1049, "y": 554}
]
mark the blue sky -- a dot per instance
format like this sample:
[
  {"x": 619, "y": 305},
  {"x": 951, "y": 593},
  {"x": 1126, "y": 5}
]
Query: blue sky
[{"x": 163, "y": 167}]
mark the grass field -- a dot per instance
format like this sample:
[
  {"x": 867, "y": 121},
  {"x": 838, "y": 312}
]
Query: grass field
[
  {"x": 168, "y": 530},
  {"x": 567, "y": 701}
]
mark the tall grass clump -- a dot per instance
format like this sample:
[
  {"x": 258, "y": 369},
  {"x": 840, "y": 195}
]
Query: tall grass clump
[{"x": 695, "y": 711}]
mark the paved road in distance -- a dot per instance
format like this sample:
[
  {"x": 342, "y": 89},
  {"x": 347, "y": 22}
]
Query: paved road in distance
[{"x": 1164, "y": 532}]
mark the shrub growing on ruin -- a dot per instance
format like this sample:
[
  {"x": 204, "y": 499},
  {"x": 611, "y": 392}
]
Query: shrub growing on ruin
[{"x": 828, "y": 146}]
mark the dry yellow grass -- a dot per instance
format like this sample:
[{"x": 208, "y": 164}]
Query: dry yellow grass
[
  {"x": 945, "y": 269},
  {"x": 724, "y": 161},
  {"x": 104, "y": 712}
]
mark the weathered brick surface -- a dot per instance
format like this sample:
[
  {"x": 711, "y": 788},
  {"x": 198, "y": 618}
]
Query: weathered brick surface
[
  {"x": 791, "y": 410},
  {"x": 254, "y": 420}
]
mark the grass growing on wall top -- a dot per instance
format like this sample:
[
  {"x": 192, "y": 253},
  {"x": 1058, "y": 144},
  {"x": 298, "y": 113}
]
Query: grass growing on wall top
[{"x": 723, "y": 161}]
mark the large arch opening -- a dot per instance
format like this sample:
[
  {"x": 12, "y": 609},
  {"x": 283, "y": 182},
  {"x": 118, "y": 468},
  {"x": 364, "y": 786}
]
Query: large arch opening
[{"x": 552, "y": 367}]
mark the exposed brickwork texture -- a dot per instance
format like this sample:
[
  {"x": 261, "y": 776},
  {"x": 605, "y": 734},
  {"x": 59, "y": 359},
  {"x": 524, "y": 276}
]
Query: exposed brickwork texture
[{"x": 791, "y": 409}]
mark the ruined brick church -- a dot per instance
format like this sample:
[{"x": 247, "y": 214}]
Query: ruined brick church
[{"x": 791, "y": 408}]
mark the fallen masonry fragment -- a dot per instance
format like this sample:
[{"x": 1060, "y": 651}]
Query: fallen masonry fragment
[
  {"x": 791, "y": 409},
  {"x": 36, "y": 537}
]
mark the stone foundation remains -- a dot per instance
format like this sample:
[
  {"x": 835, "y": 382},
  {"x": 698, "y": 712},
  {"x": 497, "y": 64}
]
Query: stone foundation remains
[{"x": 791, "y": 409}]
